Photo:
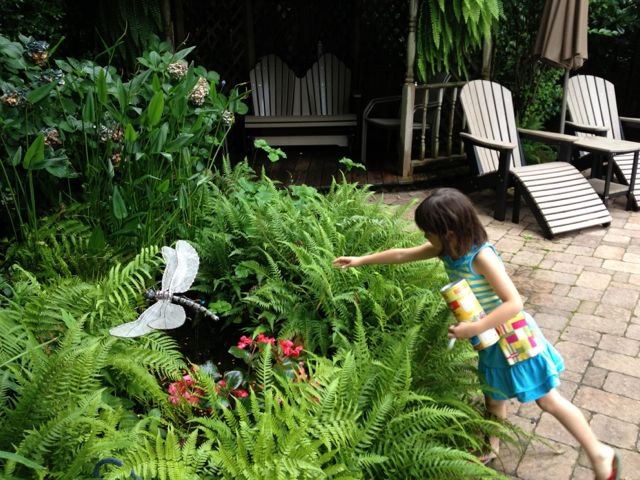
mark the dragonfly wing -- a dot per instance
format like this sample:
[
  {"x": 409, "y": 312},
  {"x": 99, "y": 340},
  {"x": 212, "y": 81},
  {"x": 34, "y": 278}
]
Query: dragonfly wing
[
  {"x": 171, "y": 262},
  {"x": 186, "y": 268},
  {"x": 170, "y": 316},
  {"x": 141, "y": 326}
]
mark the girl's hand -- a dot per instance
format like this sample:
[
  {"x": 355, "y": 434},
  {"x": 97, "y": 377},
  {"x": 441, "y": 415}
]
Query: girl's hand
[
  {"x": 463, "y": 330},
  {"x": 347, "y": 262}
]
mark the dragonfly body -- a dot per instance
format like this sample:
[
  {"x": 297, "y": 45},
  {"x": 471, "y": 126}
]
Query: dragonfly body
[
  {"x": 168, "y": 312},
  {"x": 152, "y": 294}
]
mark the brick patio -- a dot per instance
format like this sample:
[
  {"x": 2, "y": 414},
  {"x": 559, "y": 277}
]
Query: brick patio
[{"x": 583, "y": 290}]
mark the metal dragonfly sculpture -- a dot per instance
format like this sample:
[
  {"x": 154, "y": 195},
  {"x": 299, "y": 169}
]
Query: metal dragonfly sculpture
[{"x": 181, "y": 267}]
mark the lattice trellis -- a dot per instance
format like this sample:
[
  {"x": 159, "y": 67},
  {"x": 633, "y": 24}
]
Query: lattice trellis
[
  {"x": 374, "y": 31},
  {"x": 218, "y": 29}
]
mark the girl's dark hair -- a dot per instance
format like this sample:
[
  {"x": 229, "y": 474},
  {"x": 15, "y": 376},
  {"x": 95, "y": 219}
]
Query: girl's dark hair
[{"x": 449, "y": 214}]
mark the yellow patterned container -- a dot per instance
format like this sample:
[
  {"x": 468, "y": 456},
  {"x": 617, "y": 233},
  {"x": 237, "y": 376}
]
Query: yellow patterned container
[{"x": 466, "y": 308}]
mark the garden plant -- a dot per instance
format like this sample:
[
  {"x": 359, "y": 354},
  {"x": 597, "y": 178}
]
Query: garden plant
[{"x": 313, "y": 372}]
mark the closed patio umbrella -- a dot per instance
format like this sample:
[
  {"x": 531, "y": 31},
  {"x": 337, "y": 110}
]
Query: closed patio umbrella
[{"x": 562, "y": 39}]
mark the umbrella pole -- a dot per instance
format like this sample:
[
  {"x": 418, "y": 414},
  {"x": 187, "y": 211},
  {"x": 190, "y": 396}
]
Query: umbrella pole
[{"x": 563, "y": 108}]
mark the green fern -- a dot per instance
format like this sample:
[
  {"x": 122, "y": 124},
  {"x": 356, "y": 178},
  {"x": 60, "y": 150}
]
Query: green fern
[
  {"x": 449, "y": 31},
  {"x": 62, "y": 401}
]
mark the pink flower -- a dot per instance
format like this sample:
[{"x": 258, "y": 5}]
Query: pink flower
[
  {"x": 172, "y": 390},
  {"x": 222, "y": 383},
  {"x": 174, "y": 400},
  {"x": 244, "y": 342},
  {"x": 188, "y": 380},
  {"x": 263, "y": 339},
  {"x": 240, "y": 393}
]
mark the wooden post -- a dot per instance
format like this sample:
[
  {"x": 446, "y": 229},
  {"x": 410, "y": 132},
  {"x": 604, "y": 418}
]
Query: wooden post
[
  {"x": 408, "y": 95},
  {"x": 487, "y": 54}
]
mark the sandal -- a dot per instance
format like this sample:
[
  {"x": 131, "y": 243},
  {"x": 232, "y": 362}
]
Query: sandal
[{"x": 616, "y": 466}]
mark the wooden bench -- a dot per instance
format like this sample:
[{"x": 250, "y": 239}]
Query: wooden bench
[{"x": 312, "y": 110}]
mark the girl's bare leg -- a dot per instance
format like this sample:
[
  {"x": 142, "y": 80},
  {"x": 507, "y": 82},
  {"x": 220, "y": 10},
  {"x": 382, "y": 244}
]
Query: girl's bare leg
[
  {"x": 497, "y": 408},
  {"x": 570, "y": 416}
]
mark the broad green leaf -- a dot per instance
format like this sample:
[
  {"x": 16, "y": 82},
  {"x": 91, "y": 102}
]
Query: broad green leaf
[
  {"x": 35, "y": 152},
  {"x": 239, "y": 353},
  {"x": 58, "y": 166},
  {"x": 119, "y": 207},
  {"x": 130, "y": 134},
  {"x": 163, "y": 186},
  {"x": 182, "y": 140},
  {"x": 14, "y": 457},
  {"x": 34, "y": 96},
  {"x": 158, "y": 138},
  {"x": 89, "y": 109},
  {"x": 179, "y": 55},
  {"x": 183, "y": 197},
  {"x": 233, "y": 378},
  {"x": 121, "y": 95},
  {"x": 101, "y": 87},
  {"x": 16, "y": 157},
  {"x": 96, "y": 240},
  {"x": 154, "y": 111},
  {"x": 154, "y": 58},
  {"x": 156, "y": 84}
]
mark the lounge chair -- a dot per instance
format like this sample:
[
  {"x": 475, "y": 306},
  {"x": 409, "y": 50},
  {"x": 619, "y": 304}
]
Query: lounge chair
[
  {"x": 559, "y": 196},
  {"x": 591, "y": 104}
]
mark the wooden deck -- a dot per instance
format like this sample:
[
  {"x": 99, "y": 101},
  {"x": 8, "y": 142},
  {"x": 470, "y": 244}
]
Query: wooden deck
[{"x": 317, "y": 166}]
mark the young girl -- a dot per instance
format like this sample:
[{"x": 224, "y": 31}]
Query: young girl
[{"x": 455, "y": 235}]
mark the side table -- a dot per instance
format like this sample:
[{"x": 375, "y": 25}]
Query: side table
[{"x": 603, "y": 150}]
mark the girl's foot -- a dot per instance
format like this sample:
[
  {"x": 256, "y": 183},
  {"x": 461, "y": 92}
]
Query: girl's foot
[
  {"x": 487, "y": 458},
  {"x": 607, "y": 465}
]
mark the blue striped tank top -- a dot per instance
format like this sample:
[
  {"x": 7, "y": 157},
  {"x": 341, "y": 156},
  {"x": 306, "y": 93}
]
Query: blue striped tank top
[{"x": 462, "y": 268}]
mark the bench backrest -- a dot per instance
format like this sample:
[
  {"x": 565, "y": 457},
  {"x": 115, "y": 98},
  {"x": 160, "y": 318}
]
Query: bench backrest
[
  {"x": 277, "y": 91},
  {"x": 326, "y": 87},
  {"x": 592, "y": 101},
  {"x": 488, "y": 108},
  {"x": 275, "y": 88}
]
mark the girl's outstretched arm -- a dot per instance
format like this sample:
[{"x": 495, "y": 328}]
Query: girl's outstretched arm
[
  {"x": 394, "y": 255},
  {"x": 489, "y": 265}
]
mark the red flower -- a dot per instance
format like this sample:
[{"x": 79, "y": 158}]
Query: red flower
[
  {"x": 240, "y": 393},
  {"x": 285, "y": 346},
  {"x": 245, "y": 342},
  {"x": 263, "y": 339}
]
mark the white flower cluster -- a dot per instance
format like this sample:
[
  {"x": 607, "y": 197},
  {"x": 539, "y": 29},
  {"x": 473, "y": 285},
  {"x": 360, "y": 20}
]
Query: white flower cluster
[
  {"x": 177, "y": 70},
  {"x": 199, "y": 92}
]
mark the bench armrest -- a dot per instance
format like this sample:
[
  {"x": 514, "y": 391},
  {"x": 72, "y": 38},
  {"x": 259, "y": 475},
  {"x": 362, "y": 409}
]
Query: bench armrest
[
  {"x": 487, "y": 143},
  {"x": 553, "y": 138},
  {"x": 563, "y": 142},
  {"x": 631, "y": 121},
  {"x": 596, "y": 130}
]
